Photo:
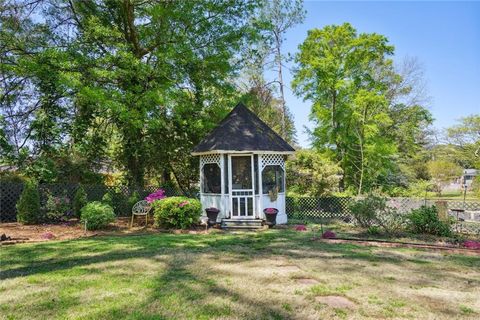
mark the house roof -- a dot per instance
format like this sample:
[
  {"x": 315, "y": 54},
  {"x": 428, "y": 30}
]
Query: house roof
[
  {"x": 471, "y": 172},
  {"x": 242, "y": 130}
]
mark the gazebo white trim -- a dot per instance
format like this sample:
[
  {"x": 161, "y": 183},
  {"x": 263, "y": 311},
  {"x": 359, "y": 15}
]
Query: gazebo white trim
[
  {"x": 224, "y": 200},
  {"x": 237, "y": 186}
]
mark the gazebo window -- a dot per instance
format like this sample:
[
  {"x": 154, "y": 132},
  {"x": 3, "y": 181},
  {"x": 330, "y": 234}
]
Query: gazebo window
[
  {"x": 211, "y": 178},
  {"x": 241, "y": 172},
  {"x": 273, "y": 176}
]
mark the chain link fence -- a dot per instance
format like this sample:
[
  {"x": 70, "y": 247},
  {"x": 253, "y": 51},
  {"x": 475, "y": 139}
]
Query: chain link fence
[{"x": 10, "y": 193}]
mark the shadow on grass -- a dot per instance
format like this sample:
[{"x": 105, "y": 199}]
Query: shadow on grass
[{"x": 53, "y": 256}]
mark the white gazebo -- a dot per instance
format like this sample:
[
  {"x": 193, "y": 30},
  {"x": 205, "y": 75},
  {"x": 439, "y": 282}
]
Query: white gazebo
[{"x": 242, "y": 168}]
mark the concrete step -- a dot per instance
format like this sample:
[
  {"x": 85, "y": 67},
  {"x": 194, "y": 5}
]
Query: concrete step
[{"x": 242, "y": 223}]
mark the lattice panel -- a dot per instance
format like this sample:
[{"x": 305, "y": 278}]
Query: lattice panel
[
  {"x": 209, "y": 158},
  {"x": 272, "y": 160}
]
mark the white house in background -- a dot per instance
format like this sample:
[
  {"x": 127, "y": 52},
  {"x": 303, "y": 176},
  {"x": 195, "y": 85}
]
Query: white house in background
[
  {"x": 242, "y": 169},
  {"x": 468, "y": 176}
]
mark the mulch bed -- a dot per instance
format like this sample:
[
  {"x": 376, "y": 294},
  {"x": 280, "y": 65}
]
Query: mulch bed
[
  {"x": 390, "y": 244},
  {"x": 18, "y": 233}
]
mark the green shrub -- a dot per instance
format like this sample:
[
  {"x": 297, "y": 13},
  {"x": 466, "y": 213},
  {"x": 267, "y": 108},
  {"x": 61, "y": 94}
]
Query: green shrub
[
  {"x": 365, "y": 211},
  {"x": 108, "y": 199},
  {"x": 373, "y": 230},
  {"x": 97, "y": 215},
  {"x": 134, "y": 198},
  {"x": 176, "y": 212},
  {"x": 425, "y": 220},
  {"x": 79, "y": 201},
  {"x": 374, "y": 211},
  {"x": 28, "y": 205},
  {"x": 57, "y": 208}
]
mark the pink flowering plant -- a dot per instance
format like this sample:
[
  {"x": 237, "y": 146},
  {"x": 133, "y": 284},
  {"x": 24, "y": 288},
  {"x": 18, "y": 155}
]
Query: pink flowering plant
[
  {"x": 329, "y": 235},
  {"x": 270, "y": 210},
  {"x": 157, "y": 195},
  {"x": 183, "y": 203},
  {"x": 176, "y": 212},
  {"x": 300, "y": 227},
  {"x": 470, "y": 244},
  {"x": 48, "y": 236}
]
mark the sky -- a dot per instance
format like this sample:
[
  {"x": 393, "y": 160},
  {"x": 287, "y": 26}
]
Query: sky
[{"x": 443, "y": 36}]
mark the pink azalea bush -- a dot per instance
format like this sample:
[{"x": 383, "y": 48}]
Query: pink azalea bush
[
  {"x": 157, "y": 195},
  {"x": 470, "y": 244},
  {"x": 329, "y": 235},
  {"x": 176, "y": 212},
  {"x": 301, "y": 227}
]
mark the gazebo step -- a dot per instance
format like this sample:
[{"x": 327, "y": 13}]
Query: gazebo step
[{"x": 242, "y": 223}]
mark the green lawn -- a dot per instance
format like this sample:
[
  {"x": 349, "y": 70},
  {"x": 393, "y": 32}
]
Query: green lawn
[{"x": 277, "y": 274}]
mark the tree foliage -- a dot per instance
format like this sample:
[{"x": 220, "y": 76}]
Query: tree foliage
[
  {"x": 118, "y": 85},
  {"x": 311, "y": 174},
  {"x": 354, "y": 89}
]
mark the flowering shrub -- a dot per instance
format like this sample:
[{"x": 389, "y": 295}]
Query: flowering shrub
[
  {"x": 97, "y": 215},
  {"x": 301, "y": 227},
  {"x": 48, "y": 236},
  {"x": 470, "y": 244},
  {"x": 57, "y": 208},
  {"x": 176, "y": 212},
  {"x": 329, "y": 235},
  {"x": 157, "y": 195},
  {"x": 270, "y": 210},
  {"x": 183, "y": 203}
]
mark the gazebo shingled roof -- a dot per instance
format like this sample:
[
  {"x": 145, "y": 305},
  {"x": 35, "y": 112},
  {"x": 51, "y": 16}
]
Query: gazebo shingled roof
[{"x": 242, "y": 130}]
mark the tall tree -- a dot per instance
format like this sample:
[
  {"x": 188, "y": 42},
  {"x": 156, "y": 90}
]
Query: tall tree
[
  {"x": 342, "y": 73},
  {"x": 465, "y": 140},
  {"x": 129, "y": 73},
  {"x": 275, "y": 18}
]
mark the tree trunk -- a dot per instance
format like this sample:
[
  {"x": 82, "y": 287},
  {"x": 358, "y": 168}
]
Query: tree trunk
[{"x": 280, "y": 80}]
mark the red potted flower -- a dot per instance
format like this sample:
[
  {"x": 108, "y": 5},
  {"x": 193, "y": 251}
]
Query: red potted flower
[
  {"x": 271, "y": 216},
  {"x": 212, "y": 214}
]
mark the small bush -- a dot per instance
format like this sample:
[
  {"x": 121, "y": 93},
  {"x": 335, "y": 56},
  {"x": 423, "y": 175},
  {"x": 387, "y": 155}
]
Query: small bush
[
  {"x": 373, "y": 230},
  {"x": 57, "y": 208},
  {"x": 97, "y": 215},
  {"x": 28, "y": 205},
  {"x": 373, "y": 211},
  {"x": 176, "y": 212},
  {"x": 365, "y": 211},
  {"x": 425, "y": 220},
  {"x": 108, "y": 199},
  {"x": 79, "y": 201}
]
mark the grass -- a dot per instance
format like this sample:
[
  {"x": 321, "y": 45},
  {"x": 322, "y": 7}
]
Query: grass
[{"x": 231, "y": 276}]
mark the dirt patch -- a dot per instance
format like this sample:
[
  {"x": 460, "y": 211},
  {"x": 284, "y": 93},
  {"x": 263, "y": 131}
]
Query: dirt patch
[
  {"x": 336, "y": 302},
  {"x": 307, "y": 281}
]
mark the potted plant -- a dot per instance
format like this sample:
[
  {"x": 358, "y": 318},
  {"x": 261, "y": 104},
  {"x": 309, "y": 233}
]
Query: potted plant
[
  {"x": 212, "y": 214},
  {"x": 271, "y": 216}
]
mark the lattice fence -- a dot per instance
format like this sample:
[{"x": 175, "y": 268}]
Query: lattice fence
[
  {"x": 304, "y": 208},
  {"x": 10, "y": 193},
  {"x": 318, "y": 208}
]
